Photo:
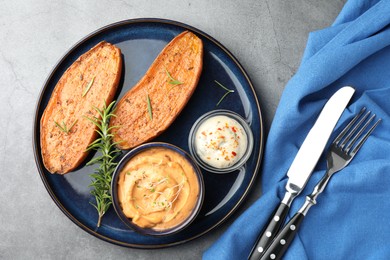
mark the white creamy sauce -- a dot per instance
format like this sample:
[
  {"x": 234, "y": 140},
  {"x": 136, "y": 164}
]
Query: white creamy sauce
[{"x": 220, "y": 141}]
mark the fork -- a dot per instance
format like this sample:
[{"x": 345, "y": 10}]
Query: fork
[{"x": 341, "y": 152}]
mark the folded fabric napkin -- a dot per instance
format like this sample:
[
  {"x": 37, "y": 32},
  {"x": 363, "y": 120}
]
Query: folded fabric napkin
[{"x": 351, "y": 218}]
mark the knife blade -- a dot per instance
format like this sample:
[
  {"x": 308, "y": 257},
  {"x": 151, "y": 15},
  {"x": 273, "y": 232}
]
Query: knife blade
[{"x": 303, "y": 164}]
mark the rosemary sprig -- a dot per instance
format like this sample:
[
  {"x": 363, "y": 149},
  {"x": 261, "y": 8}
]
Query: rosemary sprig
[
  {"x": 88, "y": 87},
  {"x": 149, "y": 107},
  {"x": 64, "y": 128},
  {"x": 172, "y": 80},
  {"x": 101, "y": 178},
  {"x": 228, "y": 91}
]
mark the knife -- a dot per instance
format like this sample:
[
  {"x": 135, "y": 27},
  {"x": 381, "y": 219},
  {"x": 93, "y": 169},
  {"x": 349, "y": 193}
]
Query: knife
[{"x": 303, "y": 165}]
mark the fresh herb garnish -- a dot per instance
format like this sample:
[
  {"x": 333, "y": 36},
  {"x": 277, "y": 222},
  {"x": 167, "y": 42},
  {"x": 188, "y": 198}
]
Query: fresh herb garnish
[
  {"x": 88, "y": 86},
  {"x": 172, "y": 80},
  {"x": 149, "y": 107},
  {"x": 172, "y": 194},
  {"x": 64, "y": 128},
  {"x": 107, "y": 160},
  {"x": 228, "y": 91}
]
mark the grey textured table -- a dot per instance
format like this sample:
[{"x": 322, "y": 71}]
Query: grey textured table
[{"x": 267, "y": 37}]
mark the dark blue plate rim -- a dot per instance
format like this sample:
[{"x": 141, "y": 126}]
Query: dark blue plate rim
[{"x": 36, "y": 124}]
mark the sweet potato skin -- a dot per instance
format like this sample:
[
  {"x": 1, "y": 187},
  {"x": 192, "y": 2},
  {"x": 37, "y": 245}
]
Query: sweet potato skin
[
  {"x": 182, "y": 59},
  {"x": 70, "y": 104}
]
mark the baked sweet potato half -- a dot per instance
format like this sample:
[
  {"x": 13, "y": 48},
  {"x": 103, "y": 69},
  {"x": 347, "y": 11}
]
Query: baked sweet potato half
[
  {"x": 89, "y": 82},
  {"x": 152, "y": 105}
]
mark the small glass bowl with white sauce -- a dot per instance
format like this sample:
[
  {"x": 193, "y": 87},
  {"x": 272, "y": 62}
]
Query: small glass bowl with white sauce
[{"x": 221, "y": 141}]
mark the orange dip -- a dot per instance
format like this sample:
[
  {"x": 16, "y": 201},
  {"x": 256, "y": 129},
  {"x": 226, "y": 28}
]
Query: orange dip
[{"x": 158, "y": 188}]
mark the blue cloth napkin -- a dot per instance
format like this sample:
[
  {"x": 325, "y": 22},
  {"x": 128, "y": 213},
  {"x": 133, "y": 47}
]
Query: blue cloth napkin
[{"x": 352, "y": 217}]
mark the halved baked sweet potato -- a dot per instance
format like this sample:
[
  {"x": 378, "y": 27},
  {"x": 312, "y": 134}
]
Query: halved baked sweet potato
[
  {"x": 89, "y": 82},
  {"x": 152, "y": 105}
]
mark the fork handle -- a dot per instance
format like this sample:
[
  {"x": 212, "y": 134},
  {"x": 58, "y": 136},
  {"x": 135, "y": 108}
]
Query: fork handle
[
  {"x": 283, "y": 240},
  {"x": 274, "y": 224}
]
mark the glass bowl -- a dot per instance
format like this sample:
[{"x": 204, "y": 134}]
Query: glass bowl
[
  {"x": 157, "y": 188},
  {"x": 220, "y": 141}
]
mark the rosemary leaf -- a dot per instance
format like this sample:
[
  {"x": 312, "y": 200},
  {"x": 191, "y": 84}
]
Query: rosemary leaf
[
  {"x": 75, "y": 121},
  {"x": 222, "y": 98},
  {"x": 63, "y": 127},
  {"x": 94, "y": 160},
  {"x": 100, "y": 112},
  {"x": 149, "y": 107},
  {"x": 109, "y": 108},
  {"x": 94, "y": 142},
  {"x": 228, "y": 91},
  {"x": 60, "y": 127},
  {"x": 172, "y": 80},
  {"x": 88, "y": 86}
]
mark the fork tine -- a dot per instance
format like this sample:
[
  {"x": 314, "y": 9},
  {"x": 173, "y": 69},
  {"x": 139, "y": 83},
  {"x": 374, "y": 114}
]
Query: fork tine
[
  {"x": 364, "y": 138},
  {"x": 348, "y": 127},
  {"x": 359, "y": 133},
  {"x": 354, "y": 129}
]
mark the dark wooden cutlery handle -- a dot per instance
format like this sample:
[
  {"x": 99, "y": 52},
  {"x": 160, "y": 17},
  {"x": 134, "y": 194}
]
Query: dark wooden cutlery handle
[
  {"x": 274, "y": 224},
  {"x": 283, "y": 240}
]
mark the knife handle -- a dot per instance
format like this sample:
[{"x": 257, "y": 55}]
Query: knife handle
[
  {"x": 274, "y": 224},
  {"x": 283, "y": 240}
]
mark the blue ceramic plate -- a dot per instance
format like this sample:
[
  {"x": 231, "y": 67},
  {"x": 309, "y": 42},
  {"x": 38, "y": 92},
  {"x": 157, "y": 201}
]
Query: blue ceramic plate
[{"x": 141, "y": 40}]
